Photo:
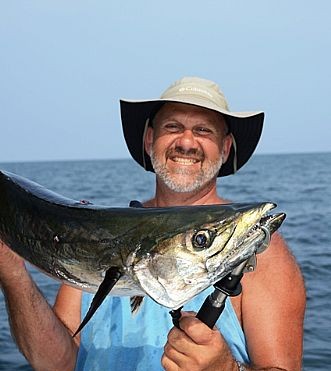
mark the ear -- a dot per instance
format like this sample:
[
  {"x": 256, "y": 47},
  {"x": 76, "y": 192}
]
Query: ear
[
  {"x": 148, "y": 141},
  {"x": 227, "y": 143}
]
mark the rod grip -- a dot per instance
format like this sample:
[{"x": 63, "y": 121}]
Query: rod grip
[{"x": 209, "y": 313}]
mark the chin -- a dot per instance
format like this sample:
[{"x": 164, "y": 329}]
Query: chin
[{"x": 180, "y": 186}]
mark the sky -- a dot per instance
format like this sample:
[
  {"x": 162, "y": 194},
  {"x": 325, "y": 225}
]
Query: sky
[{"x": 64, "y": 65}]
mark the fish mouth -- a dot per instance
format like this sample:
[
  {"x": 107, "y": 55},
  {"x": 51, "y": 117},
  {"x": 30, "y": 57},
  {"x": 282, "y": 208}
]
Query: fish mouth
[
  {"x": 269, "y": 224},
  {"x": 254, "y": 241},
  {"x": 273, "y": 222}
]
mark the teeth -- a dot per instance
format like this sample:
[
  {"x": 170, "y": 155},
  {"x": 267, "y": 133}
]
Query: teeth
[
  {"x": 266, "y": 218},
  {"x": 184, "y": 161},
  {"x": 253, "y": 229}
]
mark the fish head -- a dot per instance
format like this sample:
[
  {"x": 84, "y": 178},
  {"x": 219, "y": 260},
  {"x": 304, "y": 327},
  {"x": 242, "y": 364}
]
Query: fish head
[{"x": 184, "y": 262}]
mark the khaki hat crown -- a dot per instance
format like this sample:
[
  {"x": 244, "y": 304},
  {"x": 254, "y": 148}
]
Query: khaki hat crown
[{"x": 195, "y": 88}]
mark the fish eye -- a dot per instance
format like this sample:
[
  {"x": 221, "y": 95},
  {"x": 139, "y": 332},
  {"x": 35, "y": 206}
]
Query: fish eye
[{"x": 202, "y": 239}]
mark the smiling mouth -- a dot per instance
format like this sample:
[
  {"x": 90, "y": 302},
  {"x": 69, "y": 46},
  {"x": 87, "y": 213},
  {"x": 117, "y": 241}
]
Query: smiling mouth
[{"x": 184, "y": 161}]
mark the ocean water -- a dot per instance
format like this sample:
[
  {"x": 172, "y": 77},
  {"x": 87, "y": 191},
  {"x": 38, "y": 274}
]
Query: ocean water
[{"x": 300, "y": 184}]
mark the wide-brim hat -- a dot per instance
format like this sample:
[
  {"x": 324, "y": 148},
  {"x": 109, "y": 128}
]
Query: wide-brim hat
[{"x": 245, "y": 127}]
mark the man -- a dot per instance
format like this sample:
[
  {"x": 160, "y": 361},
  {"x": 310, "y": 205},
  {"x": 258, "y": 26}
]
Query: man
[{"x": 188, "y": 138}]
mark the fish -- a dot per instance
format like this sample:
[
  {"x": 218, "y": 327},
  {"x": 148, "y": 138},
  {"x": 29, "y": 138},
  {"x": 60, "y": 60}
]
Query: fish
[{"x": 170, "y": 254}]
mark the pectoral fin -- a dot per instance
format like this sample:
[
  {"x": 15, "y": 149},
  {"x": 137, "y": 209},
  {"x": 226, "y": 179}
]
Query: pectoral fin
[
  {"x": 111, "y": 277},
  {"x": 135, "y": 303}
]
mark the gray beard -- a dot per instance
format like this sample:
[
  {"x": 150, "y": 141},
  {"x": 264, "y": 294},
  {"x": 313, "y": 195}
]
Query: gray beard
[{"x": 186, "y": 184}]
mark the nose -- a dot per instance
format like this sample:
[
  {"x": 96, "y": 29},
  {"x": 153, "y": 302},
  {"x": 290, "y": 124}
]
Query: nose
[{"x": 187, "y": 140}]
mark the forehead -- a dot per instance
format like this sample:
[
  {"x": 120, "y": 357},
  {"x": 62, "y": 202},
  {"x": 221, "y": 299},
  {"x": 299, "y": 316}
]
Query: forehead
[{"x": 180, "y": 111}]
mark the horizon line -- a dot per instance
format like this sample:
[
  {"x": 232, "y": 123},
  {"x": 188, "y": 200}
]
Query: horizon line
[{"x": 130, "y": 158}]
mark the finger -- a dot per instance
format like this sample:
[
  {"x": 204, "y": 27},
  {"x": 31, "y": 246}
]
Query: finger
[
  {"x": 189, "y": 313},
  {"x": 197, "y": 331},
  {"x": 179, "y": 340},
  {"x": 168, "y": 364},
  {"x": 177, "y": 358}
]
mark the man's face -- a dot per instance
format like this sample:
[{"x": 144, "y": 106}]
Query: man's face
[{"x": 187, "y": 146}]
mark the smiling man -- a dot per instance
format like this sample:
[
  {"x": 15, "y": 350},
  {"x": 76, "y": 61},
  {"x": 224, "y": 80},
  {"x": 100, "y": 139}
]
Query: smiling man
[{"x": 189, "y": 138}]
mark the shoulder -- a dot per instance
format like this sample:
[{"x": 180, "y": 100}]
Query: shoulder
[
  {"x": 277, "y": 275},
  {"x": 277, "y": 260},
  {"x": 276, "y": 270}
]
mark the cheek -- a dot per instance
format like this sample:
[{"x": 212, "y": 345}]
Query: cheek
[
  {"x": 211, "y": 149},
  {"x": 162, "y": 144}
]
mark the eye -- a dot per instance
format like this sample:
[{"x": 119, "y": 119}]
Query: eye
[
  {"x": 202, "y": 239},
  {"x": 172, "y": 127},
  {"x": 203, "y": 130}
]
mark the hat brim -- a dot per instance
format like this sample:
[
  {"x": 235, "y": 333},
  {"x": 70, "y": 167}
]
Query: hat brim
[{"x": 246, "y": 128}]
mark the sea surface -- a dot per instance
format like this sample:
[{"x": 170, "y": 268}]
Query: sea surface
[{"x": 300, "y": 184}]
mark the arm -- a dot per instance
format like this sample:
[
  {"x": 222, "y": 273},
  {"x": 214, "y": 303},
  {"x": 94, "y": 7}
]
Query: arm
[
  {"x": 271, "y": 309},
  {"x": 276, "y": 292},
  {"x": 39, "y": 333}
]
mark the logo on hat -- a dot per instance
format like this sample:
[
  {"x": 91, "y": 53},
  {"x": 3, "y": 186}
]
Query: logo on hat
[{"x": 197, "y": 90}]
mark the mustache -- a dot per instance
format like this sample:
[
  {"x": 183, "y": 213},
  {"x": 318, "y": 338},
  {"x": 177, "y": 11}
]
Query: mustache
[{"x": 193, "y": 153}]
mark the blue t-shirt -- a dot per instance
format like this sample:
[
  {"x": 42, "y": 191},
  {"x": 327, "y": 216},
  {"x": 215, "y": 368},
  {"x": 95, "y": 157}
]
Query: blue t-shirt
[{"x": 114, "y": 339}]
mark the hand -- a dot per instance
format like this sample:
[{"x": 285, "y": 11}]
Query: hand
[{"x": 196, "y": 347}]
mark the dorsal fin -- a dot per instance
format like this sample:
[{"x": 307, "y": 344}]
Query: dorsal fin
[{"x": 111, "y": 277}]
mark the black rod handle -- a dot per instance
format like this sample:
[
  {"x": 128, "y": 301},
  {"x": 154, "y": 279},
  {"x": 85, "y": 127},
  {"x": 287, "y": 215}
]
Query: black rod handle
[
  {"x": 214, "y": 304},
  {"x": 210, "y": 313}
]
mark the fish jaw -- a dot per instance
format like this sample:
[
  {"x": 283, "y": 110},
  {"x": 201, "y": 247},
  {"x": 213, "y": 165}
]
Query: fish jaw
[
  {"x": 176, "y": 269},
  {"x": 243, "y": 242}
]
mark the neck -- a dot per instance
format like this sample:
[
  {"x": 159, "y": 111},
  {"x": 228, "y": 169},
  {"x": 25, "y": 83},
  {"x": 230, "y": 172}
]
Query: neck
[{"x": 165, "y": 197}]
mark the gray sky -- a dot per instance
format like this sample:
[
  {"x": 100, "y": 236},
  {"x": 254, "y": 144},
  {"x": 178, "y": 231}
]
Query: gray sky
[{"x": 65, "y": 64}]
